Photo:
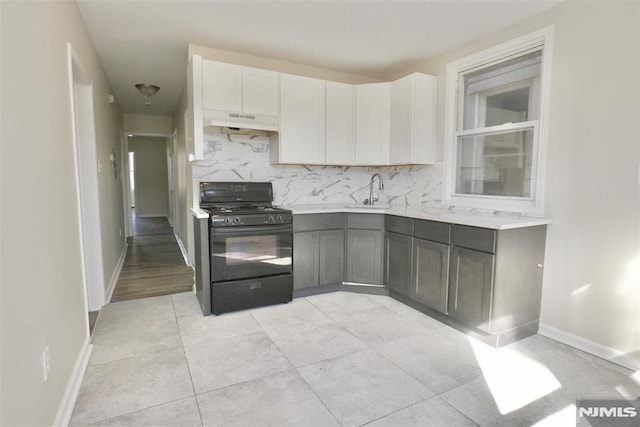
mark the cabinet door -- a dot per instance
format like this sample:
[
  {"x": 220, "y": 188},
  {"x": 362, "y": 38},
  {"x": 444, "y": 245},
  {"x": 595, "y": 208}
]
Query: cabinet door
[
  {"x": 331, "y": 257},
  {"x": 302, "y": 120},
  {"x": 372, "y": 123},
  {"x": 470, "y": 287},
  {"x": 260, "y": 91},
  {"x": 402, "y": 94},
  {"x": 364, "y": 256},
  {"x": 339, "y": 148},
  {"x": 397, "y": 249},
  {"x": 413, "y": 119},
  {"x": 221, "y": 86},
  {"x": 430, "y": 274},
  {"x": 305, "y": 259}
]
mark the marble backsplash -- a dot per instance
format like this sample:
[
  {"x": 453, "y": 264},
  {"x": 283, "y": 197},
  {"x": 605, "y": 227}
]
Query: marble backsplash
[{"x": 246, "y": 158}]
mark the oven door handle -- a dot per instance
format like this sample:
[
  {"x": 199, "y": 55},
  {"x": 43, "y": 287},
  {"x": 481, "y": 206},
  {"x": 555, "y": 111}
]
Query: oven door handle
[{"x": 252, "y": 230}]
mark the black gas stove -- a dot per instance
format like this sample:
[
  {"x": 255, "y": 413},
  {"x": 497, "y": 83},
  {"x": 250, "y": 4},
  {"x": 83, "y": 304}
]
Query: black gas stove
[
  {"x": 238, "y": 204},
  {"x": 226, "y": 215},
  {"x": 250, "y": 244}
]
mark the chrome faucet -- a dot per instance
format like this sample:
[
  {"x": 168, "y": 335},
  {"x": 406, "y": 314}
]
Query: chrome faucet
[{"x": 371, "y": 200}]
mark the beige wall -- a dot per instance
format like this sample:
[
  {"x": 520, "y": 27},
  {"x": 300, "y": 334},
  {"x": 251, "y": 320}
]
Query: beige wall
[
  {"x": 145, "y": 124},
  {"x": 592, "y": 267},
  {"x": 42, "y": 294},
  {"x": 151, "y": 179}
]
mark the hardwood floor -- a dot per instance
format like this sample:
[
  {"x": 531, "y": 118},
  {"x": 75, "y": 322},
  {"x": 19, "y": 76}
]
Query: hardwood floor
[{"x": 154, "y": 264}]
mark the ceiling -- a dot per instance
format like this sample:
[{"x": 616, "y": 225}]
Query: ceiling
[{"x": 146, "y": 41}]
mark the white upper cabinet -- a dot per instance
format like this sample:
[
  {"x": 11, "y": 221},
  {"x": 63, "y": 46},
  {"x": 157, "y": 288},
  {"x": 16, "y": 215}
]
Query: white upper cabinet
[
  {"x": 413, "y": 119},
  {"x": 234, "y": 88},
  {"x": 260, "y": 91},
  {"x": 340, "y": 122},
  {"x": 301, "y": 139},
  {"x": 221, "y": 86},
  {"x": 372, "y": 124},
  {"x": 318, "y": 122}
]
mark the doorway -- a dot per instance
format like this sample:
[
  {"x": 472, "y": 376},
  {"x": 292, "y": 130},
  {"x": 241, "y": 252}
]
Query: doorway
[
  {"x": 154, "y": 264},
  {"x": 132, "y": 179},
  {"x": 81, "y": 88}
]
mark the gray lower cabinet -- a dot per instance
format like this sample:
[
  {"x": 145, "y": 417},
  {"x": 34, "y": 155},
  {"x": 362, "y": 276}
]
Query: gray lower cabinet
[
  {"x": 487, "y": 282},
  {"x": 305, "y": 259},
  {"x": 318, "y": 258},
  {"x": 318, "y": 250},
  {"x": 470, "y": 287},
  {"x": 430, "y": 274},
  {"x": 495, "y": 280},
  {"x": 330, "y": 257},
  {"x": 364, "y": 256},
  {"x": 202, "y": 268},
  {"x": 398, "y": 249}
]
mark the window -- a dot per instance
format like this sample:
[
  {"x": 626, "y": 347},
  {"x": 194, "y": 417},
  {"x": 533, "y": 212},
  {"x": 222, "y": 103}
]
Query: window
[{"x": 496, "y": 126}]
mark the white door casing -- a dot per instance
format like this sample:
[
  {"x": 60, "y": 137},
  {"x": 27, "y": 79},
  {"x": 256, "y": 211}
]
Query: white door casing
[{"x": 81, "y": 95}]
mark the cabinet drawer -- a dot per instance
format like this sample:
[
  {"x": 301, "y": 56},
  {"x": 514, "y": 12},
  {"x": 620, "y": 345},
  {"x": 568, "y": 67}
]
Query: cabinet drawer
[
  {"x": 432, "y": 230},
  {"x": 310, "y": 222},
  {"x": 398, "y": 224},
  {"x": 365, "y": 221},
  {"x": 480, "y": 239}
]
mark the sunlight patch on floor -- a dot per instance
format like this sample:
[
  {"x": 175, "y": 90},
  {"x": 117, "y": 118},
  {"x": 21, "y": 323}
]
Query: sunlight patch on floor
[{"x": 514, "y": 379}]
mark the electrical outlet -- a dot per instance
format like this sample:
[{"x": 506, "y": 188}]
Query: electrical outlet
[{"x": 46, "y": 363}]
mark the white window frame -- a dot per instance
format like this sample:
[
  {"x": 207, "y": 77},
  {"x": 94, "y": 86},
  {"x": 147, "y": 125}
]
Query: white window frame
[{"x": 533, "y": 205}]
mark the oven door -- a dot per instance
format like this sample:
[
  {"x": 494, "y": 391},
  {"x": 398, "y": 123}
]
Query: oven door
[{"x": 250, "y": 251}]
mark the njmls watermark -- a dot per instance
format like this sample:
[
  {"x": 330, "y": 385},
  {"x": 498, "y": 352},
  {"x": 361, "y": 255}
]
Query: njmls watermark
[{"x": 625, "y": 411}]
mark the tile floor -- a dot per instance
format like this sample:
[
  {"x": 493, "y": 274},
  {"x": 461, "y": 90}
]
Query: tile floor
[{"x": 334, "y": 359}]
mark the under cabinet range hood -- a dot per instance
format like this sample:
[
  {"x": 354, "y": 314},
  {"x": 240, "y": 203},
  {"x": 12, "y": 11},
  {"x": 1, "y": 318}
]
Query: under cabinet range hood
[
  {"x": 230, "y": 130},
  {"x": 232, "y": 119}
]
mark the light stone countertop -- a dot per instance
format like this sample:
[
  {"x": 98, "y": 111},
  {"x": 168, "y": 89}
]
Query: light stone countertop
[
  {"x": 199, "y": 213},
  {"x": 496, "y": 221}
]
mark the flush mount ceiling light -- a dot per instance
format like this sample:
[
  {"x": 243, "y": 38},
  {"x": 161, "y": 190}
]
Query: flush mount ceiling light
[{"x": 148, "y": 90}]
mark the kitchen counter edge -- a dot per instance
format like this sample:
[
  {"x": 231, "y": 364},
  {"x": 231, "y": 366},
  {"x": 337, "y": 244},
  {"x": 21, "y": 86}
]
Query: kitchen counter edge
[
  {"x": 483, "y": 220},
  {"x": 199, "y": 213}
]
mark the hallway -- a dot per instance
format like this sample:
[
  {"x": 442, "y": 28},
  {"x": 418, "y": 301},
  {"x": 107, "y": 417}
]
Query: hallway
[{"x": 154, "y": 264}]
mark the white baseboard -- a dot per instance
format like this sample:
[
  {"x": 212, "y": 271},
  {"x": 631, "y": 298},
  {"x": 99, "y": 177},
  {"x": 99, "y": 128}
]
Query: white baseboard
[
  {"x": 611, "y": 354},
  {"x": 115, "y": 275},
  {"x": 183, "y": 250},
  {"x": 73, "y": 386}
]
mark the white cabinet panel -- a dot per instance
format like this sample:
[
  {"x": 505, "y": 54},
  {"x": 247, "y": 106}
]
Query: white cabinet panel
[
  {"x": 193, "y": 114},
  {"x": 413, "y": 119},
  {"x": 372, "y": 124},
  {"x": 340, "y": 111},
  {"x": 402, "y": 97},
  {"x": 302, "y": 121},
  {"x": 221, "y": 86},
  {"x": 260, "y": 91}
]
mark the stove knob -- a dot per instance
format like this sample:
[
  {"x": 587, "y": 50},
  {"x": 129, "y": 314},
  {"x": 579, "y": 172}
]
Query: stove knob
[
  {"x": 270, "y": 218},
  {"x": 237, "y": 220},
  {"x": 279, "y": 218},
  {"x": 227, "y": 221}
]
